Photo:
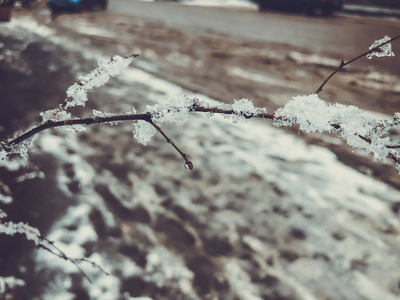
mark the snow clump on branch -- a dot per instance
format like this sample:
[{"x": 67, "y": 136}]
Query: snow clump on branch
[
  {"x": 385, "y": 50},
  {"x": 177, "y": 110},
  {"x": 358, "y": 128},
  {"x": 11, "y": 228},
  {"x": 77, "y": 93}
]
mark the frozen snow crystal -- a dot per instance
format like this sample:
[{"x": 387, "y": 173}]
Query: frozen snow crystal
[
  {"x": 244, "y": 108},
  {"x": 314, "y": 114},
  {"x": 171, "y": 110},
  {"x": 143, "y": 132},
  {"x": 20, "y": 149},
  {"x": 11, "y": 228},
  {"x": 100, "y": 114},
  {"x": 77, "y": 93},
  {"x": 385, "y": 50},
  {"x": 358, "y": 128},
  {"x": 55, "y": 115}
]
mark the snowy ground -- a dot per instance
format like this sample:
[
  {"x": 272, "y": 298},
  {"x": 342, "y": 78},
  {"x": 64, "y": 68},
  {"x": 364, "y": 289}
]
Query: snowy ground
[{"x": 264, "y": 215}]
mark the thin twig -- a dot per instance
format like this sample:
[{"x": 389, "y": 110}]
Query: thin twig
[
  {"x": 188, "y": 163},
  {"x": 62, "y": 255},
  {"x": 93, "y": 264},
  {"x": 86, "y": 121},
  {"x": 344, "y": 64}
]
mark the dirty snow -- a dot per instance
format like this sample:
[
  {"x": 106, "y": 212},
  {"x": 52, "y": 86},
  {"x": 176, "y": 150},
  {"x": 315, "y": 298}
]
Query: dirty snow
[
  {"x": 254, "y": 183},
  {"x": 333, "y": 193}
]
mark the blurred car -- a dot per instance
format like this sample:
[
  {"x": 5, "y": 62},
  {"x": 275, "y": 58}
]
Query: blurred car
[
  {"x": 75, "y": 5},
  {"x": 310, "y": 6}
]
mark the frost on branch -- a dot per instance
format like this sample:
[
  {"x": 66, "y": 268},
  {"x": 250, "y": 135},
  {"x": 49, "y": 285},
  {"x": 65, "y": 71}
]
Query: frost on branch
[
  {"x": 77, "y": 93},
  {"x": 385, "y": 50},
  {"x": 11, "y": 228},
  {"x": 20, "y": 149},
  {"x": 177, "y": 110},
  {"x": 244, "y": 108},
  {"x": 99, "y": 114},
  {"x": 358, "y": 128},
  {"x": 143, "y": 132},
  {"x": 174, "y": 110},
  {"x": 55, "y": 115}
]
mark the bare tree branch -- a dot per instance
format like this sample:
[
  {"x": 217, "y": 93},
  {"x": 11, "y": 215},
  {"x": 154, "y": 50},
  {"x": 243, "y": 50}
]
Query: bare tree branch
[
  {"x": 188, "y": 163},
  {"x": 74, "y": 261},
  {"x": 344, "y": 64},
  {"x": 148, "y": 118}
]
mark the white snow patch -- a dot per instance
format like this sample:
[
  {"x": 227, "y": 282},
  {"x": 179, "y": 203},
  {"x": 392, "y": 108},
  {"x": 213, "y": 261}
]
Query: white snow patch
[
  {"x": 240, "y": 281},
  {"x": 313, "y": 59},
  {"x": 256, "y": 76},
  {"x": 162, "y": 86},
  {"x": 29, "y": 24}
]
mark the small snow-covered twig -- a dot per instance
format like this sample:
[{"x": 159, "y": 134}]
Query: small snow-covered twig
[
  {"x": 355, "y": 126},
  {"x": 77, "y": 93},
  {"x": 310, "y": 112},
  {"x": 74, "y": 261},
  {"x": 188, "y": 163},
  {"x": 33, "y": 234},
  {"x": 370, "y": 135},
  {"x": 379, "y": 48},
  {"x": 11, "y": 228}
]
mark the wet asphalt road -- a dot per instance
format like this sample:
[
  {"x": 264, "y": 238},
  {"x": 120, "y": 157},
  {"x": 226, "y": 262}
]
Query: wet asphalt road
[{"x": 340, "y": 35}]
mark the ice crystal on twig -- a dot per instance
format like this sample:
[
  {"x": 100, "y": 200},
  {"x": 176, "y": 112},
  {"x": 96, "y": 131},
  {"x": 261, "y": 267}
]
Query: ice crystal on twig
[
  {"x": 77, "y": 93},
  {"x": 244, "y": 108},
  {"x": 385, "y": 50},
  {"x": 11, "y": 228},
  {"x": 175, "y": 110},
  {"x": 143, "y": 132},
  {"x": 55, "y": 115}
]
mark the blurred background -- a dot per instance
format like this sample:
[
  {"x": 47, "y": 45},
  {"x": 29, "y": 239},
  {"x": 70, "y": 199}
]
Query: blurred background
[{"x": 267, "y": 213}]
